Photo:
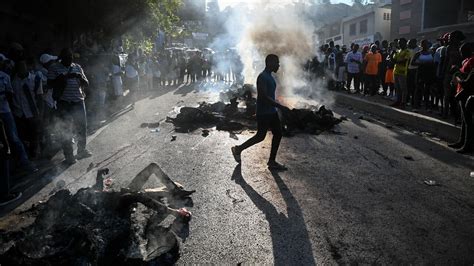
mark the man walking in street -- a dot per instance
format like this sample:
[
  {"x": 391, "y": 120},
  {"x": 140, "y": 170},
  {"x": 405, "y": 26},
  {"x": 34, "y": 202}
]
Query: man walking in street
[
  {"x": 69, "y": 79},
  {"x": 267, "y": 115}
]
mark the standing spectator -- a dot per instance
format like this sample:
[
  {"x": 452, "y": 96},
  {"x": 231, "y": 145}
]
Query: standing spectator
[
  {"x": 6, "y": 197},
  {"x": 439, "y": 58},
  {"x": 25, "y": 109},
  {"x": 101, "y": 80},
  {"x": 412, "y": 71},
  {"x": 384, "y": 52},
  {"x": 401, "y": 59},
  {"x": 117, "y": 82},
  {"x": 354, "y": 66},
  {"x": 425, "y": 75},
  {"x": 464, "y": 97},
  {"x": 340, "y": 68},
  {"x": 69, "y": 79},
  {"x": 453, "y": 61},
  {"x": 131, "y": 76},
  {"x": 365, "y": 51},
  {"x": 49, "y": 105},
  {"x": 372, "y": 62},
  {"x": 6, "y": 95}
]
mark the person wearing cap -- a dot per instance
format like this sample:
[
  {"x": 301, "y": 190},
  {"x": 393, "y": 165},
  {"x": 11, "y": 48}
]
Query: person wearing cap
[
  {"x": 6, "y": 96},
  {"x": 69, "y": 80},
  {"x": 49, "y": 104},
  {"x": 372, "y": 61}
]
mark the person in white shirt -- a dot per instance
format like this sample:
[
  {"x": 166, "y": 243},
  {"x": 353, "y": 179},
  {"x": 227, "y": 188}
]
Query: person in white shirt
[
  {"x": 117, "y": 73},
  {"x": 48, "y": 106},
  {"x": 25, "y": 108},
  {"x": 6, "y": 95},
  {"x": 131, "y": 75}
]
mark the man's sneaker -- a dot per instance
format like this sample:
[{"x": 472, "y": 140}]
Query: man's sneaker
[
  {"x": 83, "y": 154},
  {"x": 10, "y": 198},
  {"x": 236, "y": 154},
  {"x": 273, "y": 165}
]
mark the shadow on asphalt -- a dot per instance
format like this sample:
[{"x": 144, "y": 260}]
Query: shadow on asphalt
[
  {"x": 290, "y": 238},
  {"x": 443, "y": 154}
]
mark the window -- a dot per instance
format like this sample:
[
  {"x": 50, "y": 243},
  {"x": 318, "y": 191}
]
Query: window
[
  {"x": 405, "y": 14},
  {"x": 404, "y": 30},
  {"x": 386, "y": 16},
  {"x": 352, "y": 29},
  {"x": 363, "y": 26}
]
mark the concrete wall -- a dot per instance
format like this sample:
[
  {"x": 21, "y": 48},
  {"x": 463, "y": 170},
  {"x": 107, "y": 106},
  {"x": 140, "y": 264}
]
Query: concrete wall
[
  {"x": 406, "y": 18},
  {"x": 377, "y": 27},
  {"x": 383, "y": 26}
]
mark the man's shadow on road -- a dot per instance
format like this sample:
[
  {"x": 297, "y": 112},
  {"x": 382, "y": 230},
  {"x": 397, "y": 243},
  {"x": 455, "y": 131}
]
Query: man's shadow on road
[{"x": 290, "y": 239}]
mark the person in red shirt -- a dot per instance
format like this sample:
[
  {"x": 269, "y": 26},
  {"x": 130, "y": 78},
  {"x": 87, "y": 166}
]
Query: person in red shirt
[{"x": 465, "y": 98}]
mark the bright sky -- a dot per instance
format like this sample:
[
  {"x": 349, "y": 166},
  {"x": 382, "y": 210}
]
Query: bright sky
[{"x": 224, "y": 3}]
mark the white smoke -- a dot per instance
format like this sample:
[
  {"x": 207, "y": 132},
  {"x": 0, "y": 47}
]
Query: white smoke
[{"x": 281, "y": 29}]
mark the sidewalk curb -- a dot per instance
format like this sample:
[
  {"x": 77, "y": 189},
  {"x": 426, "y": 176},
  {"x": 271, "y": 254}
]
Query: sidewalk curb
[{"x": 420, "y": 122}]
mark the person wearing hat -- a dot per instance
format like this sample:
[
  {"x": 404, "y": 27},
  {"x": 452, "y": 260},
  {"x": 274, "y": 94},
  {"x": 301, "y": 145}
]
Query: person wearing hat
[
  {"x": 49, "y": 104},
  {"x": 68, "y": 81}
]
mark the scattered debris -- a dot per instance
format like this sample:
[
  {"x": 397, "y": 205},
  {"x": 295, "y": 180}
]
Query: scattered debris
[
  {"x": 205, "y": 133},
  {"x": 150, "y": 125},
  {"x": 173, "y": 137},
  {"x": 431, "y": 183},
  {"x": 389, "y": 126},
  {"x": 356, "y": 137},
  {"x": 229, "y": 117},
  {"x": 408, "y": 158},
  {"x": 343, "y": 118},
  {"x": 155, "y": 130},
  {"x": 471, "y": 174},
  {"x": 94, "y": 227}
]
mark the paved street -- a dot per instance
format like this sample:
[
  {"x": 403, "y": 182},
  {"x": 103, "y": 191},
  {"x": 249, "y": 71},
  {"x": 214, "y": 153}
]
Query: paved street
[{"x": 353, "y": 195}]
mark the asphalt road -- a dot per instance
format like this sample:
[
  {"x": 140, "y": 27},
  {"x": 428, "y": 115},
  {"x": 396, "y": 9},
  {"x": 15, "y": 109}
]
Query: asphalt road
[{"x": 353, "y": 195}]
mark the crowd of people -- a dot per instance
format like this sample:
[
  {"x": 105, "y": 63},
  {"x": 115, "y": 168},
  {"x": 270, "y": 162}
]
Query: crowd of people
[
  {"x": 43, "y": 97},
  {"x": 434, "y": 76}
]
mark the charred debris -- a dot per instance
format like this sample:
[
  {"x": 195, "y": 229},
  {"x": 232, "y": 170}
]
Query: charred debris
[
  {"x": 99, "y": 227},
  {"x": 235, "y": 112}
]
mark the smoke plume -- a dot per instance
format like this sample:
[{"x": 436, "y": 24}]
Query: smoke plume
[{"x": 280, "y": 29}]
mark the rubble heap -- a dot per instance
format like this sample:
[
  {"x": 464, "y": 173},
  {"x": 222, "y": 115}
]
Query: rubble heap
[{"x": 97, "y": 227}]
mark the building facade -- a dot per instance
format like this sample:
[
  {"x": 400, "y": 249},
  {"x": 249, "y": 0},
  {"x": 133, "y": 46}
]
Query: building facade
[
  {"x": 430, "y": 19},
  {"x": 364, "y": 29}
]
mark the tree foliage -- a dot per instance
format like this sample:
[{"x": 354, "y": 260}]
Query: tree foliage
[{"x": 139, "y": 19}]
